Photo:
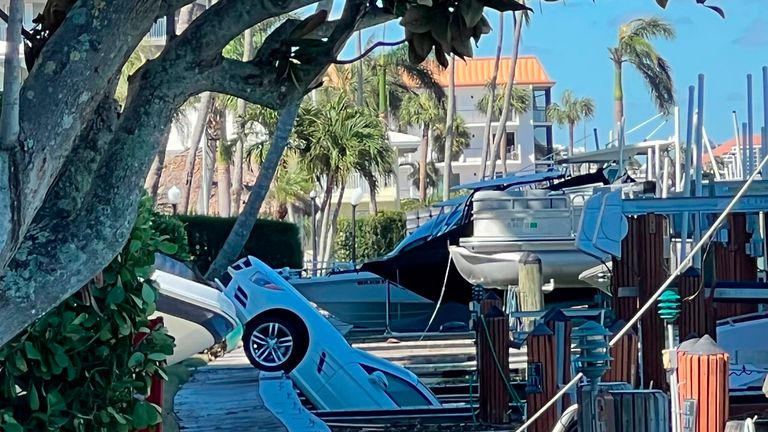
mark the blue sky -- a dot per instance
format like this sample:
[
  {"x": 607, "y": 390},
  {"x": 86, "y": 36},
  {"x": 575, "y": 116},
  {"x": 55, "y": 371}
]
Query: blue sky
[{"x": 571, "y": 40}]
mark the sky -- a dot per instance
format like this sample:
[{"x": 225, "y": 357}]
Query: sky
[{"x": 571, "y": 40}]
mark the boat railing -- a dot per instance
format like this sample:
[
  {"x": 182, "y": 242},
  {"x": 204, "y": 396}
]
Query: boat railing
[
  {"x": 526, "y": 217},
  {"x": 322, "y": 268}
]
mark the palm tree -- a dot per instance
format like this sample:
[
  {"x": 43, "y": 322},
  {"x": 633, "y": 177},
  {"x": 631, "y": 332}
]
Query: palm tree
[
  {"x": 570, "y": 111},
  {"x": 519, "y": 17},
  {"x": 487, "y": 142},
  {"x": 421, "y": 110},
  {"x": 341, "y": 139},
  {"x": 461, "y": 139},
  {"x": 519, "y": 101},
  {"x": 634, "y": 47},
  {"x": 433, "y": 174},
  {"x": 450, "y": 129}
]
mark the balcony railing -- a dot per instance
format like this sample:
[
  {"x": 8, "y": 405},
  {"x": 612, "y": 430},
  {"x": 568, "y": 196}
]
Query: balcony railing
[{"x": 157, "y": 32}]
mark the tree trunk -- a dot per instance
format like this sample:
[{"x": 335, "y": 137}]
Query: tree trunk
[
  {"x": 449, "y": 129},
  {"x": 152, "y": 183},
  {"x": 197, "y": 135},
  {"x": 328, "y": 254},
  {"x": 245, "y": 222},
  {"x": 423, "y": 163},
  {"x": 571, "y": 127},
  {"x": 373, "y": 205},
  {"x": 508, "y": 90},
  {"x": 186, "y": 16},
  {"x": 237, "y": 177},
  {"x": 325, "y": 217},
  {"x": 487, "y": 140},
  {"x": 360, "y": 77},
  {"x": 503, "y": 154},
  {"x": 224, "y": 179},
  {"x": 618, "y": 94},
  {"x": 9, "y": 126},
  {"x": 213, "y": 135}
]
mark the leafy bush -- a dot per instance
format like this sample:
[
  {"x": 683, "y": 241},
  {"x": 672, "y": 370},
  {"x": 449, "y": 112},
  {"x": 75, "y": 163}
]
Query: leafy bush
[
  {"x": 274, "y": 242},
  {"x": 175, "y": 231},
  {"x": 375, "y": 235},
  {"x": 76, "y": 368}
]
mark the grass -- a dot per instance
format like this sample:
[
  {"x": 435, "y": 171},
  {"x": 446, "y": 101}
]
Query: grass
[{"x": 178, "y": 374}]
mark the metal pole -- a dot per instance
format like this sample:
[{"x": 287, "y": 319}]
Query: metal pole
[
  {"x": 675, "y": 402},
  {"x": 621, "y": 147},
  {"x": 354, "y": 243},
  {"x": 647, "y": 306},
  {"x": 739, "y": 159},
  {"x": 386, "y": 318},
  {"x": 686, "y": 186},
  {"x": 708, "y": 147},
  {"x": 750, "y": 126},
  {"x": 665, "y": 181},
  {"x": 764, "y": 145},
  {"x": 314, "y": 236},
  {"x": 678, "y": 167},
  {"x": 745, "y": 150},
  {"x": 597, "y": 140}
]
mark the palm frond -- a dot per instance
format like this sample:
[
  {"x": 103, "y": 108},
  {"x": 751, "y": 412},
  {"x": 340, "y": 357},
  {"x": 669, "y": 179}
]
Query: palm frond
[
  {"x": 650, "y": 28},
  {"x": 657, "y": 76}
]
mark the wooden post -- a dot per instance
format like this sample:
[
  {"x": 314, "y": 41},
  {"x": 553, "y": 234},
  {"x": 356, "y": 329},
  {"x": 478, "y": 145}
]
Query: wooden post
[
  {"x": 493, "y": 366},
  {"x": 733, "y": 263},
  {"x": 652, "y": 272},
  {"x": 702, "y": 369},
  {"x": 697, "y": 315},
  {"x": 625, "y": 356},
  {"x": 542, "y": 377},
  {"x": 530, "y": 282},
  {"x": 490, "y": 301}
]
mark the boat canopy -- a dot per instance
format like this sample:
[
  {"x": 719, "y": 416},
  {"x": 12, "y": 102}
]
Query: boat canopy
[
  {"x": 512, "y": 180},
  {"x": 611, "y": 154}
]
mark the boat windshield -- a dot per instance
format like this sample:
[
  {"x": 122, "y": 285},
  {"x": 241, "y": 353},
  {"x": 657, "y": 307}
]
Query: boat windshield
[{"x": 436, "y": 226}]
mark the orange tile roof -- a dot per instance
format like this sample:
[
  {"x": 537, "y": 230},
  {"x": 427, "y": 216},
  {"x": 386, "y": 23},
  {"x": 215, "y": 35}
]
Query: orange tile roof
[
  {"x": 477, "y": 72},
  {"x": 729, "y": 146}
]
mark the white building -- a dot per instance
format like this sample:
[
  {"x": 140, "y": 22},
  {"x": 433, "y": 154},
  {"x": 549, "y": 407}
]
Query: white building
[{"x": 526, "y": 131}]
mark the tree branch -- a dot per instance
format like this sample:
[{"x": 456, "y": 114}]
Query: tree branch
[
  {"x": 24, "y": 32},
  {"x": 373, "y": 17},
  {"x": 52, "y": 116},
  {"x": 370, "y": 50}
]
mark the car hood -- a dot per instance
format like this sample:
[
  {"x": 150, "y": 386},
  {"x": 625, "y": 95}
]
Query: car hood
[{"x": 387, "y": 366}]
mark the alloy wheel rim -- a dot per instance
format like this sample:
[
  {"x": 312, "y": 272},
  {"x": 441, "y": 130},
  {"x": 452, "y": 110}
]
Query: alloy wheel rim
[{"x": 271, "y": 344}]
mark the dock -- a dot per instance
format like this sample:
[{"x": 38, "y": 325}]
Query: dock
[{"x": 230, "y": 395}]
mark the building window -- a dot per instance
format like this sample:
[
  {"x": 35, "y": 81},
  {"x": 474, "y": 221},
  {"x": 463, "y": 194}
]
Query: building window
[
  {"x": 542, "y": 141},
  {"x": 510, "y": 147},
  {"x": 542, "y": 99}
]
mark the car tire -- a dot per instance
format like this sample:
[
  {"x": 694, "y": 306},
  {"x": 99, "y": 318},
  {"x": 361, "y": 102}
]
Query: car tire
[{"x": 275, "y": 342}]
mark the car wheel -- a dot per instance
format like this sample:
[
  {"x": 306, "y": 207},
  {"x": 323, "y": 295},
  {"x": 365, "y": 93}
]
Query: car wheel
[{"x": 274, "y": 342}]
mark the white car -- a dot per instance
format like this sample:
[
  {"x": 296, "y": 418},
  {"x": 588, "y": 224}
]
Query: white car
[{"x": 284, "y": 332}]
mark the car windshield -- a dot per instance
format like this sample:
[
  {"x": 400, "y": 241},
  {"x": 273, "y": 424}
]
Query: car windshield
[{"x": 402, "y": 392}]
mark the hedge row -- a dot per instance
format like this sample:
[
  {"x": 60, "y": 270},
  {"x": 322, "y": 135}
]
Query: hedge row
[
  {"x": 274, "y": 242},
  {"x": 375, "y": 236}
]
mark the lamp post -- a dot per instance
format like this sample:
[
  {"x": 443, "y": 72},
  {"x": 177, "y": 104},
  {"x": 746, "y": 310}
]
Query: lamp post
[
  {"x": 357, "y": 196},
  {"x": 593, "y": 361},
  {"x": 313, "y": 198},
  {"x": 174, "y": 197}
]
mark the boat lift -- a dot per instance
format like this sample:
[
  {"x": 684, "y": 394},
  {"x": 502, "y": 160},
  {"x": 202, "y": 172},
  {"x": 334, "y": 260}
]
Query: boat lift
[{"x": 604, "y": 225}]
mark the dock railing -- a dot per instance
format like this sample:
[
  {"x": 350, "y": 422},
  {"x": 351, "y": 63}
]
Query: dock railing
[{"x": 688, "y": 260}]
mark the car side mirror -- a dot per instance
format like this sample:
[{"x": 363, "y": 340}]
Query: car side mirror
[{"x": 378, "y": 379}]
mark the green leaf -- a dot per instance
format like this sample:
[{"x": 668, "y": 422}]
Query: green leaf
[
  {"x": 10, "y": 424},
  {"x": 19, "y": 362},
  {"x": 116, "y": 294},
  {"x": 32, "y": 352},
  {"x": 134, "y": 246},
  {"x": 662, "y": 3},
  {"x": 54, "y": 400},
  {"x": 145, "y": 414},
  {"x": 33, "y": 398},
  {"x": 148, "y": 293},
  {"x": 120, "y": 419},
  {"x": 168, "y": 248},
  {"x": 157, "y": 356},
  {"x": 136, "y": 360},
  {"x": 472, "y": 11}
]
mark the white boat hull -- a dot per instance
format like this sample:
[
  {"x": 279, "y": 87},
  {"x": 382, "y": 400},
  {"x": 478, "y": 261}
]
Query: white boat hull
[
  {"x": 501, "y": 269},
  {"x": 360, "y": 298},
  {"x": 744, "y": 339},
  {"x": 197, "y": 316}
]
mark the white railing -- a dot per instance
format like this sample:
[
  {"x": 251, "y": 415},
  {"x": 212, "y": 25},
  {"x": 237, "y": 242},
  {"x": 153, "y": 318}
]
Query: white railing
[{"x": 157, "y": 32}]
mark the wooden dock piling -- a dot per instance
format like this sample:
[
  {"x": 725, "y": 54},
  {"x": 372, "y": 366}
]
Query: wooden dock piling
[
  {"x": 733, "y": 263},
  {"x": 493, "y": 365},
  {"x": 530, "y": 280},
  {"x": 542, "y": 377},
  {"x": 697, "y": 313},
  {"x": 702, "y": 369},
  {"x": 625, "y": 356}
]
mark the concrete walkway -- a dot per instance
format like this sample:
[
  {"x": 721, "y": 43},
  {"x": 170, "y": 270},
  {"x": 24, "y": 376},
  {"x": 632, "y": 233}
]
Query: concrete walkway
[{"x": 227, "y": 395}]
